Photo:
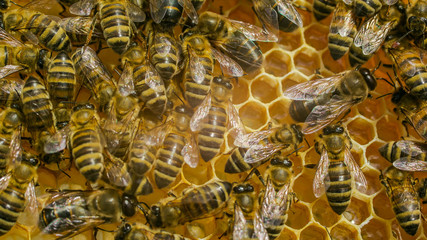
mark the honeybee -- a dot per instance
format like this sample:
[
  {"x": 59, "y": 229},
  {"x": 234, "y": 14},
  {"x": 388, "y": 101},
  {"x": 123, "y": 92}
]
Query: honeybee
[
  {"x": 279, "y": 171},
  {"x": 135, "y": 55},
  {"x": 78, "y": 29},
  {"x": 69, "y": 213},
  {"x": 416, "y": 21},
  {"x": 321, "y": 101},
  {"x": 139, "y": 231},
  {"x": 255, "y": 147},
  {"x": 61, "y": 79},
  {"x": 365, "y": 8},
  {"x": 212, "y": 117},
  {"x": 322, "y": 8},
  {"x": 334, "y": 168},
  {"x": 169, "y": 12},
  {"x": 18, "y": 194},
  {"x": 195, "y": 203},
  {"x": 341, "y": 30},
  {"x": 400, "y": 189},
  {"x": 406, "y": 155},
  {"x": 116, "y": 19},
  {"x": 10, "y": 92}
]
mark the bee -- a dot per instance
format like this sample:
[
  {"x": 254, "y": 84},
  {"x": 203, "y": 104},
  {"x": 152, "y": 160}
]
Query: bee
[
  {"x": 373, "y": 33},
  {"x": 341, "y": 30},
  {"x": 212, "y": 117},
  {"x": 116, "y": 19},
  {"x": 279, "y": 171},
  {"x": 169, "y": 12},
  {"x": 321, "y": 101},
  {"x": 416, "y": 21},
  {"x": 10, "y": 92},
  {"x": 61, "y": 79},
  {"x": 135, "y": 55},
  {"x": 78, "y": 29},
  {"x": 406, "y": 155},
  {"x": 69, "y": 213},
  {"x": 195, "y": 203},
  {"x": 366, "y": 8},
  {"x": 138, "y": 231},
  {"x": 255, "y": 147},
  {"x": 336, "y": 168},
  {"x": 278, "y": 14},
  {"x": 322, "y": 8},
  {"x": 18, "y": 193},
  {"x": 400, "y": 189}
]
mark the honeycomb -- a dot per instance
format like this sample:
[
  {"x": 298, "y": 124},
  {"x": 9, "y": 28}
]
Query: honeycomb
[{"x": 295, "y": 58}]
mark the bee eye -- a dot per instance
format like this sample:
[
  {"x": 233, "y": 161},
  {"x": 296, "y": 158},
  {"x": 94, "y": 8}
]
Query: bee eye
[
  {"x": 275, "y": 161},
  {"x": 287, "y": 163},
  {"x": 249, "y": 188},
  {"x": 339, "y": 130},
  {"x": 155, "y": 210},
  {"x": 127, "y": 228},
  {"x": 239, "y": 189}
]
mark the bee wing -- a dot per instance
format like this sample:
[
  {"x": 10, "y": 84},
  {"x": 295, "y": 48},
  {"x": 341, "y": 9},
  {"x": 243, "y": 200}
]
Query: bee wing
[
  {"x": 344, "y": 25},
  {"x": 274, "y": 204},
  {"x": 7, "y": 39},
  {"x": 311, "y": 89},
  {"x": 72, "y": 226},
  {"x": 4, "y": 181},
  {"x": 30, "y": 215},
  {"x": 197, "y": 69},
  {"x": 79, "y": 25},
  {"x": 247, "y": 140},
  {"x": 125, "y": 84},
  {"x": 162, "y": 45},
  {"x": 155, "y": 136},
  {"x": 153, "y": 79},
  {"x": 259, "y": 152},
  {"x": 321, "y": 173},
  {"x": 358, "y": 176},
  {"x": 10, "y": 69},
  {"x": 234, "y": 122},
  {"x": 201, "y": 113},
  {"x": 94, "y": 64},
  {"x": 390, "y": 2},
  {"x": 239, "y": 228},
  {"x": 322, "y": 115},
  {"x": 348, "y": 2},
  {"x": 135, "y": 13},
  {"x": 39, "y": 5},
  {"x": 259, "y": 229},
  {"x": 228, "y": 65},
  {"x": 191, "y": 152},
  {"x": 267, "y": 15},
  {"x": 414, "y": 151},
  {"x": 15, "y": 153},
  {"x": 412, "y": 148},
  {"x": 286, "y": 8},
  {"x": 158, "y": 10},
  {"x": 371, "y": 35},
  {"x": 190, "y": 10},
  {"x": 253, "y": 32},
  {"x": 82, "y": 7},
  {"x": 116, "y": 171},
  {"x": 58, "y": 141},
  {"x": 411, "y": 165}
]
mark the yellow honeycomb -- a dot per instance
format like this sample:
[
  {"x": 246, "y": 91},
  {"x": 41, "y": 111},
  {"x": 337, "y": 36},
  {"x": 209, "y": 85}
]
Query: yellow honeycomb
[{"x": 295, "y": 58}]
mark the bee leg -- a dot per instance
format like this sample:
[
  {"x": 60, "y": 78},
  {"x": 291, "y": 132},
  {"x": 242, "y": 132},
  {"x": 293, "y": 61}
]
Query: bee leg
[
  {"x": 64, "y": 10},
  {"x": 57, "y": 163},
  {"x": 397, "y": 235},
  {"x": 257, "y": 173}
]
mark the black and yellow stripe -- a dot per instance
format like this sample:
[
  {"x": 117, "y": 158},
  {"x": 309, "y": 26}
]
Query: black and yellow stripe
[
  {"x": 211, "y": 135},
  {"x": 323, "y": 8},
  {"x": 356, "y": 56},
  {"x": 141, "y": 156},
  {"x": 10, "y": 120},
  {"x": 338, "y": 185},
  {"x": 366, "y": 8},
  {"x": 173, "y": 13},
  {"x": 61, "y": 79},
  {"x": 285, "y": 24},
  {"x": 339, "y": 45},
  {"x": 391, "y": 151}
]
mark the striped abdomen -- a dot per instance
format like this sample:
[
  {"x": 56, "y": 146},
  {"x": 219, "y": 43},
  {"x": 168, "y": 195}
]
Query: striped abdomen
[
  {"x": 275, "y": 226},
  {"x": 139, "y": 186},
  {"x": 115, "y": 24},
  {"x": 208, "y": 199},
  {"x": 37, "y": 106},
  {"x": 236, "y": 162},
  {"x": 356, "y": 56},
  {"x": 406, "y": 206},
  {"x": 173, "y": 13},
  {"x": 141, "y": 156},
  {"x": 339, "y": 45},
  {"x": 419, "y": 119},
  {"x": 338, "y": 185},
  {"x": 391, "y": 151},
  {"x": 285, "y": 24},
  {"x": 195, "y": 93},
  {"x": 322, "y": 8},
  {"x": 61, "y": 79},
  {"x": 366, "y": 8},
  {"x": 414, "y": 73},
  {"x": 4, "y": 152},
  {"x": 49, "y": 33},
  {"x": 87, "y": 153},
  {"x": 12, "y": 203},
  {"x": 211, "y": 135},
  {"x": 154, "y": 99},
  {"x": 169, "y": 160}
]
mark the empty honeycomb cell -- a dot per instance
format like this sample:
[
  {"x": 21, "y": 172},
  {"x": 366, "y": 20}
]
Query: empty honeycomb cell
[
  {"x": 357, "y": 211},
  {"x": 298, "y": 216},
  {"x": 199, "y": 175},
  {"x": 306, "y": 61},
  {"x": 288, "y": 234},
  {"x": 374, "y": 157},
  {"x": 314, "y": 232},
  {"x": 303, "y": 186},
  {"x": 292, "y": 79},
  {"x": 343, "y": 231},
  {"x": 278, "y": 63},
  {"x": 317, "y": 36},
  {"x": 375, "y": 229},
  {"x": 290, "y": 41},
  {"x": 371, "y": 108},
  {"x": 240, "y": 91},
  {"x": 335, "y": 66},
  {"x": 243, "y": 13},
  {"x": 297, "y": 164},
  {"x": 361, "y": 131},
  {"x": 357, "y": 158},
  {"x": 279, "y": 111},
  {"x": 324, "y": 214},
  {"x": 265, "y": 89},
  {"x": 382, "y": 206},
  {"x": 388, "y": 128},
  {"x": 374, "y": 184},
  {"x": 253, "y": 115}
]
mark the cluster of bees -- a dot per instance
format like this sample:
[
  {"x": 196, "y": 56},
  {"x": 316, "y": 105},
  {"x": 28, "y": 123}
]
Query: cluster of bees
[{"x": 171, "y": 105}]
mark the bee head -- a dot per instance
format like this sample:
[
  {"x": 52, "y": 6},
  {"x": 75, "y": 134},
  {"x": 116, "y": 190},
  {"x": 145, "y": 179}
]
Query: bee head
[
  {"x": 331, "y": 129},
  {"x": 154, "y": 217},
  {"x": 417, "y": 25},
  {"x": 124, "y": 230},
  {"x": 277, "y": 161},
  {"x": 370, "y": 80},
  {"x": 129, "y": 203},
  {"x": 4, "y": 4}
]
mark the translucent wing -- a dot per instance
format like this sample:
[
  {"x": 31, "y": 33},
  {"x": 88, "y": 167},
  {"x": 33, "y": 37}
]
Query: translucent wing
[
  {"x": 9, "y": 69},
  {"x": 247, "y": 140},
  {"x": 30, "y": 215},
  {"x": 31, "y": 37},
  {"x": 411, "y": 165},
  {"x": 412, "y": 148},
  {"x": 358, "y": 176},
  {"x": 312, "y": 89},
  {"x": 343, "y": 19},
  {"x": 79, "y": 25},
  {"x": 158, "y": 10},
  {"x": 58, "y": 141},
  {"x": 274, "y": 204},
  {"x": 348, "y": 2},
  {"x": 253, "y": 32},
  {"x": 412, "y": 156},
  {"x": 191, "y": 152},
  {"x": 390, "y": 2},
  {"x": 371, "y": 35},
  {"x": 92, "y": 64},
  {"x": 7, "y": 39},
  {"x": 201, "y": 113},
  {"x": 15, "y": 153},
  {"x": 237, "y": 56},
  {"x": 321, "y": 173},
  {"x": 286, "y": 8},
  {"x": 135, "y": 13},
  {"x": 259, "y": 152},
  {"x": 125, "y": 83},
  {"x": 189, "y": 9},
  {"x": 155, "y": 136},
  {"x": 116, "y": 171},
  {"x": 259, "y": 229},
  {"x": 234, "y": 122},
  {"x": 153, "y": 79},
  {"x": 239, "y": 228},
  {"x": 267, "y": 15},
  {"x": 4, "y": 181},
  {"x": 162, "y": 45},
  {"x": 228, "y": 65},
  {"x": 39, "y": 5},
  {"x": 197, "y": 69},
  {"x": 82, "y": 7}
]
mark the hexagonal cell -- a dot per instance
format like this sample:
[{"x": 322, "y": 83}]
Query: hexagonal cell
[
  {"x": 357, "y": 212},
  {"x": 253, "y": 115},
  {"x": 290, "y": 41},
  {"x": 311, "y": 157},
  {"x": 279, "y": 111},
  {"x": 292, "y": 79},
  {"x": 314, "y": 232},
  {"x": 361, "y": 131},
  {"x": 199, "y": 175},
  {"x": 388, "y": 128},
  {"x": 357, "y": 157},
  {"x": 324, "y": 214},
  {"x": 265, "y": 89},
  {"x": 278, "y": 63},
  {"x": 303, "y": 186},
  {"x": 375, "y": 229},
  {"x": 371, "y": 108},
  {"x": 298, "y": 216},
  {"x": 307, "y": 61},
  {"x": 374, "y": 157},
  {"x": 335, "y": 66},
  {"x": 243, "y": 13},
  {"x": 287, "y": 234},
  {"x": 343, "y": 231},
  {"x": 240, "y": 91},
  {"x": 382, "y": 206},
  {"x": 317, "y": 36},
  {"x": 266, "y": 46},
  {"x": 374, "y": 184}
]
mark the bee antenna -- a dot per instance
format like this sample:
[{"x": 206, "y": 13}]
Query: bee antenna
[
  {"x": 17, "y": 4},
  {"x": 387, "y": 81},
  {"x": 357, "y": 67},
  {"x": 57, "y": 164},
  {"x": 295, "y": 151},
  {"x": 383, "y": 95},
  {"x": 375, "y": 69},
  {"x": 305, "y": 139}
]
